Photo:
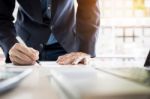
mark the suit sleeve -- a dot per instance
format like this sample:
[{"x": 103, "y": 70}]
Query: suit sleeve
[
  {"x": 87, "y": 25},
  {"x": 7, "y": 29}
]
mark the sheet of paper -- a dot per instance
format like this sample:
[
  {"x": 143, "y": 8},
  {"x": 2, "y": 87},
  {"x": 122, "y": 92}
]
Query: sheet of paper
[
  {"x": 52, "y": 64},
  {"x": 16, "y": 67},
  {"x": 98, "y": 63}
]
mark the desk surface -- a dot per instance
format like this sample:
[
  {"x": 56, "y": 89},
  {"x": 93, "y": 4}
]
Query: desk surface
[{"x": 35, "y": 86}]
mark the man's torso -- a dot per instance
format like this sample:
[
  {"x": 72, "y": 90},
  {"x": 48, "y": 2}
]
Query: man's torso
[{"x": 35, "y": 25}]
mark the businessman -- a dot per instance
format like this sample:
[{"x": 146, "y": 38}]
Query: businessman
[{"x": 51, "y": 29}]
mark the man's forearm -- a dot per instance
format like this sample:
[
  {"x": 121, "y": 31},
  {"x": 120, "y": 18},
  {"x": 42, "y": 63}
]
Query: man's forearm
[{"x": 88, "y": 22}]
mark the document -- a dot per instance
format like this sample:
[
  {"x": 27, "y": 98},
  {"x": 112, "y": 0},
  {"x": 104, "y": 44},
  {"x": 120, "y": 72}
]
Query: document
[{"x": 54, "y": 64}]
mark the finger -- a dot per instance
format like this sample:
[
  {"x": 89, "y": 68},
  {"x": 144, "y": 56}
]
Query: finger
[
  {"x": 77, "y": 60},
  {"x": 65, "y": 60},
  {"x": 24, "y": 49},
  {"x": 36, "y": 53},
  {"x": 64, "y": 56},
  {"x": 21, "y": 56},
  {"x": 60, "y": 58},
  {"x": 15, "y": 60},
  {"x": 86, "y": 61}
]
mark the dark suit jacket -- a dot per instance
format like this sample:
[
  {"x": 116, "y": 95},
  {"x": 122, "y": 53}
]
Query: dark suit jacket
[{"x": 74, "y": 31}]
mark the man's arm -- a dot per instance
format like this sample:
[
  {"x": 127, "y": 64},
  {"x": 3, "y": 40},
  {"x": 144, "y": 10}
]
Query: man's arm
[
  {"x": 88, "y": 22},
  {"x": 16, "y": 53},
  {"x": 7, "y": 30}
]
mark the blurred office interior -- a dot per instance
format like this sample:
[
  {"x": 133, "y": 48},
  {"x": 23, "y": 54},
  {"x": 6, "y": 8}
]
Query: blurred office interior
[{"x": 124, "y": 31}]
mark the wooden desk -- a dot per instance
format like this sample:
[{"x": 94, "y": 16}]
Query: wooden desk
[{"x": 35, "y": 86}]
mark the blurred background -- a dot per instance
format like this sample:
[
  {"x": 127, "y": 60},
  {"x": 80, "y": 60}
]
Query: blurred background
[{"x": 124, "y": 31}]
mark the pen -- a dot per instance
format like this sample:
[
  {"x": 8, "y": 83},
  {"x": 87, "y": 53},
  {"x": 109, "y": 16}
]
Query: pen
[{"x": 22, "y": 42}]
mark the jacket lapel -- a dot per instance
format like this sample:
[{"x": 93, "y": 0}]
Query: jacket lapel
[{"x": 32, "y": 8}]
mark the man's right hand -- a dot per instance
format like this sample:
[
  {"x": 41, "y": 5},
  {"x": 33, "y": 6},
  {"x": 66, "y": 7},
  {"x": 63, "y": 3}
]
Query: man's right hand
[{"x": 20, "y": 54}]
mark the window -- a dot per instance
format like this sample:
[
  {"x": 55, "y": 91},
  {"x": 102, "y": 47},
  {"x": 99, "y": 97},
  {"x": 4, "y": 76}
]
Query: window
[{"x": 125, "y": 28}]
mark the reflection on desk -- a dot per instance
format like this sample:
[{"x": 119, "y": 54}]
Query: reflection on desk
[{"x": 35, "y": 86}]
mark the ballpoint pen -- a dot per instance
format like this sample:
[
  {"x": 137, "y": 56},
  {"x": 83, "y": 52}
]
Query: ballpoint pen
[{"x": 22, "y": 42}]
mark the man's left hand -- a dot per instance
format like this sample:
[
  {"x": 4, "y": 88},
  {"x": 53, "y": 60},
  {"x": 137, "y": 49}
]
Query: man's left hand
[{"x": 74, "y": 58}]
